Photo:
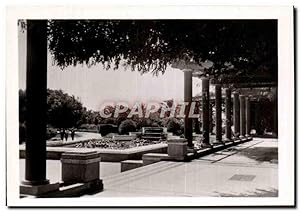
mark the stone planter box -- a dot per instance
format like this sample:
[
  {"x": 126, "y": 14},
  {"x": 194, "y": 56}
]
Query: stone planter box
[
  {"x": 80, "y": 167},
  {"x": 107, "y": 155},
  {"x": 177, "y": 148}
]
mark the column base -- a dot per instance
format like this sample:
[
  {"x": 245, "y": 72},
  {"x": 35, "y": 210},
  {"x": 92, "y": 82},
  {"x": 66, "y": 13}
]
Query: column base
[
  {"x": 35, "y": 183},
  {"x": 217, "y": 142},
  {"x": 241, "y": 136},
  {"x": 227, "y": 140},
  {"x": 38, "y": 190},
  {"x": 206, "y": 145},
  {"x": 236, "y": 138}
]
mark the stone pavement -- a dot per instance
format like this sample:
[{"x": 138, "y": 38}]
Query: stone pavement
[
  {"x": 249, "y": 169},
  {"x": 54, "y": 169}
]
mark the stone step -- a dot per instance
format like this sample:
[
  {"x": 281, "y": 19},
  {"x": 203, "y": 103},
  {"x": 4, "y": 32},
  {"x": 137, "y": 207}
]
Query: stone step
[
  {"x": 112, "y": 177},
  {"x": 130, "y": 164},
  {"x": 142, "y": 172},
  {"x": 151, "y": 158},
  {"x": 135, "y": 172}
]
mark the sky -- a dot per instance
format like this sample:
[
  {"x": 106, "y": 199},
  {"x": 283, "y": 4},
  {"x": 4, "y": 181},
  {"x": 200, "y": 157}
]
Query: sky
[{"x": 96, "y": 86}]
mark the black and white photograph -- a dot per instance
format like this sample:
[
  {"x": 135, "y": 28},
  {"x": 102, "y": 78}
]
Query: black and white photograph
[{"x": 111, "y": 105}]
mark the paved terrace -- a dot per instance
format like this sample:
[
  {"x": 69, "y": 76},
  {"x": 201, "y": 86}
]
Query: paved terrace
[{"x": 249, "y": 169}]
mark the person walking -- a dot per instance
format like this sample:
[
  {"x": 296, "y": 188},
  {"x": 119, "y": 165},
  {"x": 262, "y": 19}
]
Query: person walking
[
  {"x": 72, "y": 134},
  {"x": 62, "y": 134},
  {"x": 66, "y": 134}
]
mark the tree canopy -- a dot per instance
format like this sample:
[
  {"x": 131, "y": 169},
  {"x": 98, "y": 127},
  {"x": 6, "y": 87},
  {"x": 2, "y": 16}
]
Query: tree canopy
[
  {"x": 63, "y": 110},
  {"x": 234, "y": 46}
]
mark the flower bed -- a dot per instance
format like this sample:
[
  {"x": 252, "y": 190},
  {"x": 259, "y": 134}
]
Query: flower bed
[{"x": 108, "y": 143}]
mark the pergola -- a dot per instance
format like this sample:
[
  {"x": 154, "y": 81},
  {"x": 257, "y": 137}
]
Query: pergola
[
  {"x": 36, "y": 92},
  {"x": 241, "y": 100}
]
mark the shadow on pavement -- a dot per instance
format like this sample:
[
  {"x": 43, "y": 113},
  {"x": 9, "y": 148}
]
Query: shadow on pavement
[
  {"x": 262, "y": 154},
  {"x": 257, "y": 193},
  {"x": 265, "y": 136}
]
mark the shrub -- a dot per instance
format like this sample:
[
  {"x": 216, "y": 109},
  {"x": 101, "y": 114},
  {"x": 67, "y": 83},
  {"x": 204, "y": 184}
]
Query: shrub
[
  {"x": 110, "y": 120},
  {"x": 89, "y": 127},
  {"x": 127, "y": 126},
  {"x": 143, "y": 123},
  {"x": 148, "y": 123},
  {"x": 105, "y": 129},
  {"x": 155, "y": 124},
  {"x": 51, "y": 132},
  {"x": 175, "y": 126}
]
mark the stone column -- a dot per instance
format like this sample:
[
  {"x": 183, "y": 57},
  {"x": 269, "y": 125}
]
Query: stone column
[
  {"x": 36, "y": 95},
  {"x": 236, "y": 114},
  {"x": 228, "y": 114},
  {"x": 188, "y": 122},
  {"x": 211, "y": 127},
  {"x": 35, "y": 182},
  {"x": 196, "y": 121},
  {"x": 257, "y": 118},
  {"x": 205, "y": 110},
  {"x": 242, "y": 116},
  {"x": 248, "y": 123},
  {"x": 275, "y": 118},
  {"x": 218, "y": 102}
]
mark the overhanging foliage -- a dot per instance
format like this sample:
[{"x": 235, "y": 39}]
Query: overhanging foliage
[{"x": 234, "y": 46}]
